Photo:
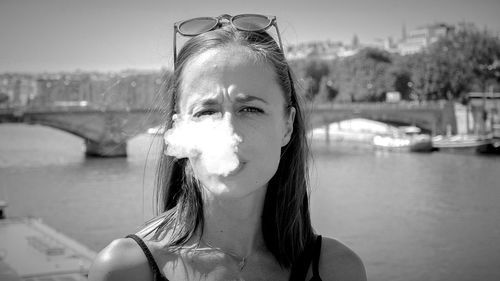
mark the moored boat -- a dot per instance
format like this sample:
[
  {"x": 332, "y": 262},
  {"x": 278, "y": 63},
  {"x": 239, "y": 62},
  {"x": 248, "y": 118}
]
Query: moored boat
[
  {"x": 413, "y": 143},
  {"x": 492, "y": 148},
  {"x": 461, "y": 143}
]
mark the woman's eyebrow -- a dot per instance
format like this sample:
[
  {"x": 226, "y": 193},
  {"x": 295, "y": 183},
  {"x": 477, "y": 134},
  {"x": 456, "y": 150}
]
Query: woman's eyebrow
[
  {"x": 203, "y": 102},
  {"x": 248, "y": 98},
  {"x": 213, "y": 101}
]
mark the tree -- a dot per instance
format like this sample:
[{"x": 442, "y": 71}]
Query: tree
[
  {"x": 314, "y": 71},
  {"x": 4, "y": 98},
  {"x": 331, "y": 90},
  {"x": 456, "y": 63},
  {"x": 328, "y": 91},
  {"x": 364, "y": 76},
  {"x": 402, "y": 83},
  {"x": 405, "y": 77}
]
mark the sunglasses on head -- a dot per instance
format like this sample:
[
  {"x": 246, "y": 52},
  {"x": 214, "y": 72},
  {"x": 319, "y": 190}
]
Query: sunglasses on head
[{"x": 244, "y": 22}]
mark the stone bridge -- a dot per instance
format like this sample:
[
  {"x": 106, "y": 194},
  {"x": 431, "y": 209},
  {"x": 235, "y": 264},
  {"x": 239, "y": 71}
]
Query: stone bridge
[
  {"x": 105, "y": 132},
  {"x": 433, "y": 118}
]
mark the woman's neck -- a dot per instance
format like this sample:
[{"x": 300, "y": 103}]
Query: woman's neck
[{"x": 234, "y": 224}]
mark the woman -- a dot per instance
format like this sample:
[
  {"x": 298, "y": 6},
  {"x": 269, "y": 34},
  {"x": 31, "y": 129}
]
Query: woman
[{"x": 251, "y": 221}]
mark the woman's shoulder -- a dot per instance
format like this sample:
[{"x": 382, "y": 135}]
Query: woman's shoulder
[
  {"x": 122, "y": 259},
  {"x": 339, "y": 262}
]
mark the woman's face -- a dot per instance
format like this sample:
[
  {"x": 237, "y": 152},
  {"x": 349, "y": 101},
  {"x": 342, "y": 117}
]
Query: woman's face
[{"x": 244, "y": 90}]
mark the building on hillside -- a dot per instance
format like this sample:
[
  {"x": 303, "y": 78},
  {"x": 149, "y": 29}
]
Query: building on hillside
[
  {"x": 125, "y": 90},
  {"x": 55, "y": 88},
  {"x": 410, "y": 42},
  {"x": 387, "y": 44},
  {"x": 319, "y": 49},
  {"x": 19, "y": 88},
  {"x": 420, "y": 38}
]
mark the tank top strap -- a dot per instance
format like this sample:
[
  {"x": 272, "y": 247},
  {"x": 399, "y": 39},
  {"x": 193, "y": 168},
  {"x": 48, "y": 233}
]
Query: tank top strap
[{"x": 157, "y": 275}]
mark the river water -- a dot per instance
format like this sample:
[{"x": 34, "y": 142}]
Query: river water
[{"x": 409, "y": 216}]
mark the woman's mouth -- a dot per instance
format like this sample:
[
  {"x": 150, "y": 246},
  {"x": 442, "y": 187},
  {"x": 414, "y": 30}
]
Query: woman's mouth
[{"x": 237, "y": 169}]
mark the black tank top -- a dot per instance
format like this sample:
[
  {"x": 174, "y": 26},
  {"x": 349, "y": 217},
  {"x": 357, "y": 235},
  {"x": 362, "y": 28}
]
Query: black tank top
[{"x": 298, "y": 272}]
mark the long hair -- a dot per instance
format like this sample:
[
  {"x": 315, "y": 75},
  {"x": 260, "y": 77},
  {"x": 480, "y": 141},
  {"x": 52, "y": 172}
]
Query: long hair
[{"x": 286, "y": 223}]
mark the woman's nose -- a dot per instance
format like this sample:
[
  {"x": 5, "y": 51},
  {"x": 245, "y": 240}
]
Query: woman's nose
[
  {"x": 229, "y": 119},
  {"x": 232, "y": 121}
]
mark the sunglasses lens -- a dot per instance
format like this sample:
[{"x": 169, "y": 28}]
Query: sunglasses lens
[
  {"x": 251, "y": 22},
  {"x": 197, "y": 26}
]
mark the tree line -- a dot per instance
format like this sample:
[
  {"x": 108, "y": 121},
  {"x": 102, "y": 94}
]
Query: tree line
[{"x": 465, "y": 60}]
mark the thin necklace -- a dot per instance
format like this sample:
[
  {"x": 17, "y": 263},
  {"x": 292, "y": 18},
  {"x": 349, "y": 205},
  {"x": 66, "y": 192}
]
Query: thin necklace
[{"x": 242, "y": 261}]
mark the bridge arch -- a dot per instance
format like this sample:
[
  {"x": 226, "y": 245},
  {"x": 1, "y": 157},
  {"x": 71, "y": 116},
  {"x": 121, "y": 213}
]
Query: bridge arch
[
  {"x": 425, "y": 125},
  {"x": 434, "y": 118},
  {"x": 105, "y": 133}
]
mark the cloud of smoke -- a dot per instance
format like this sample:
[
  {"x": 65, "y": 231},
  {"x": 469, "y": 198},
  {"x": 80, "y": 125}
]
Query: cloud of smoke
[{"x": 211, "y": 138}]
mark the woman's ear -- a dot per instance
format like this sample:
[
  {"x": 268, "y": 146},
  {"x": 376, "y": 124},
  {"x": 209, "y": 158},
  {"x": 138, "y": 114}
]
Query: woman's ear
[{"x": 287, "y": 134}]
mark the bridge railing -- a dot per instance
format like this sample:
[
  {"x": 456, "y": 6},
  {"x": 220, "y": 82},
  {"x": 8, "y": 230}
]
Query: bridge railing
[{"x": 378, "y": 105}]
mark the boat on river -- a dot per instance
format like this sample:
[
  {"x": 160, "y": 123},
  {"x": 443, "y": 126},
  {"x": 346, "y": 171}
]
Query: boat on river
[
  {"x": 412, "y": 143},
  {"x": 461, "y": 143},
  {"x": 492, "y": 148},
  {"x": 32, "y": 250}
]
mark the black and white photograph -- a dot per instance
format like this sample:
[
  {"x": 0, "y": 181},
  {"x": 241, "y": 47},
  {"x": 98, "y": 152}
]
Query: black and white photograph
[{"x": 250, "y": 140}]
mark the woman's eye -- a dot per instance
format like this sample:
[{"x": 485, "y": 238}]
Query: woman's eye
[
  {"x": 205, "y": 112},
  {"x": 252, "y": 109}
]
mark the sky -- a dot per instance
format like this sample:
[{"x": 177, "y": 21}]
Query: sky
[{"x": 112, "y": 35}]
